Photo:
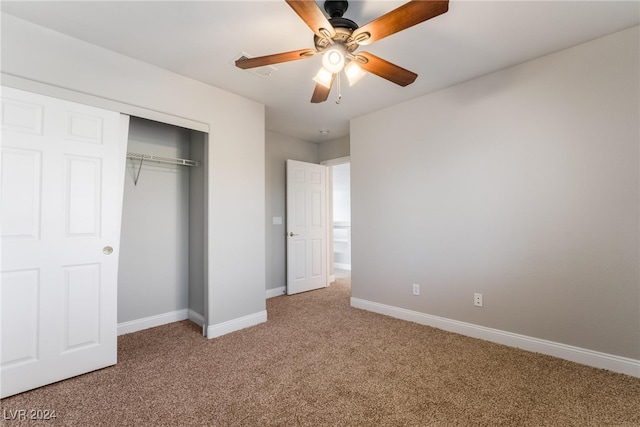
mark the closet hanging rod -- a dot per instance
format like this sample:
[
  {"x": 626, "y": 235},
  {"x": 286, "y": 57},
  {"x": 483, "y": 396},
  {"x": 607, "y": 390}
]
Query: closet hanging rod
[{"x": 160, "y": 159}]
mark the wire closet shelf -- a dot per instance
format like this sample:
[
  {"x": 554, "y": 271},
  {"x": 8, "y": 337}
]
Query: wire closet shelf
[{"x": 158, "y": 159}]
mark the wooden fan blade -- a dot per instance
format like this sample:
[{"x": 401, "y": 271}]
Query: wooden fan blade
[
  {"x": 321, "y": 93},
  {"x": 313, "y": 17},
  {"x": 385, "y": 69},
  {"x": 407, "y": 15},
  {"x": 276, "y": 58}
]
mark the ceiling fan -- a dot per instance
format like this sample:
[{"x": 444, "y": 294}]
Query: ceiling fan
[{"x": 337, "y": 38}]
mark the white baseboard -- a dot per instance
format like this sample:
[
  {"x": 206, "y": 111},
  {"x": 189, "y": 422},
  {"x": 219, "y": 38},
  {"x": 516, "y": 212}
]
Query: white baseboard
[
  {"x": 332, "y": 278},
  {"x": 176, "y": 316},
  {"x": 196, "y": 318},
  {"x": 276, "y": 292},
  {"x": 592, "y": 358},
  {"x": 229, "y": 326},
  {"x": 342, "y": 266},
  {"x": 152, "y": 321}
]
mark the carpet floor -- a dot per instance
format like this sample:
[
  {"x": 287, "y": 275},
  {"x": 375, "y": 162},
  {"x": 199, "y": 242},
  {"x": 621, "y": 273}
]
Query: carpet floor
[{"x": 319, "y": 362}]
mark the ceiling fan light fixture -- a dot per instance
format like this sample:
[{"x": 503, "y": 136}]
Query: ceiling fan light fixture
[
  {"x": 324, "y": 78},
  {"x": 333, "y": 58},
  {"x": 353, "y": 72}
]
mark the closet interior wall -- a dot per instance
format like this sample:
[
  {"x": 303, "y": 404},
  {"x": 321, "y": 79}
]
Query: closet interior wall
[{"x": 162, "y": 249}]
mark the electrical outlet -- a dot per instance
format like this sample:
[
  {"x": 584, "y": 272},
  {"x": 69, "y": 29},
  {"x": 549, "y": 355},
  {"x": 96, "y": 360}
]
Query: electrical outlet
[
  {"x": 477, "y": 300},
  {"x": 416, "y": 289}
]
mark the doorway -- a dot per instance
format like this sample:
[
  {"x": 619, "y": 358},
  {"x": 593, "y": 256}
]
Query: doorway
[{"x": 339, "y": 209}]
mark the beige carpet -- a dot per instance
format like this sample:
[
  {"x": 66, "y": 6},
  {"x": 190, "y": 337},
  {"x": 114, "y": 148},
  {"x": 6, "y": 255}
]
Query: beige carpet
[{"x": 319, "y": 362}]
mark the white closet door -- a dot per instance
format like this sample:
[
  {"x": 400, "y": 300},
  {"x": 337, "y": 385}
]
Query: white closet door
[{"x": 61, "y": 189}]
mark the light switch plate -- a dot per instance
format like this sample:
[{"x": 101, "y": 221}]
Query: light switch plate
[{"x": 277, "y": 220}]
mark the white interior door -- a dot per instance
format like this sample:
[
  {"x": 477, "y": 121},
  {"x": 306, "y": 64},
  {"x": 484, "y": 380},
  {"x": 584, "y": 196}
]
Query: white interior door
[
  {"x": 306, "y": 227},
  {"x": 60, "y": 206}
]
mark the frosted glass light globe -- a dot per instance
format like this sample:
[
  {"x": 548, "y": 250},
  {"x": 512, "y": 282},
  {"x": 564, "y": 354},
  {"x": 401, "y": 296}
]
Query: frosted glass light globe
[{"x": 333, "y": 59}]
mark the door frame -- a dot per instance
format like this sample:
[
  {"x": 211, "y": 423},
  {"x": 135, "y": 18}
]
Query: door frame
[{"x": 331, "y": 277}]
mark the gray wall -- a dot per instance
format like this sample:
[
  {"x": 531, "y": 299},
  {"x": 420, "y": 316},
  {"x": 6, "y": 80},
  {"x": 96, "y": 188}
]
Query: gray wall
[
  {"x": 333, "y": 149},
  {"x": 522, "y": 185},
  {"x": 279, "y": 148}
]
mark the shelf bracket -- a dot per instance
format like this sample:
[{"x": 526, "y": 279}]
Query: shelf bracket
[{"x": 135, "y": 180}]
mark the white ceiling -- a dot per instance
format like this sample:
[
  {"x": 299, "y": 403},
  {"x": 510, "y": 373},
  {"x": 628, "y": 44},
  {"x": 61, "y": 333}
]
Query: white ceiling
[{"x": 200, "y": 39}]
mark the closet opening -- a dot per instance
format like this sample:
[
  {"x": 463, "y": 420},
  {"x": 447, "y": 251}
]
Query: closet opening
[{"x": 162, "y": 270}]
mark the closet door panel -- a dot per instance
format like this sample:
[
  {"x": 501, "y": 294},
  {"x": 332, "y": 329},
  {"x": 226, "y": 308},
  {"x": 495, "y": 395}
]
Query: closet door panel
[{"x": 61, "y": 195}]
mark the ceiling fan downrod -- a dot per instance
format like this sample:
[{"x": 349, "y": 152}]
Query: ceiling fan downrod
[{"x": 336, "y": 8}]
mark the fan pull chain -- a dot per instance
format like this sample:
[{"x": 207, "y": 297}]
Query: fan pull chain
[{"x": 339, "y": 91}]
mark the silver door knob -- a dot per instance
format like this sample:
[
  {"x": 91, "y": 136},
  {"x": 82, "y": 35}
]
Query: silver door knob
[
  {"x": 292, "y": 234},
  {"x": 107, "y": 250}
]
